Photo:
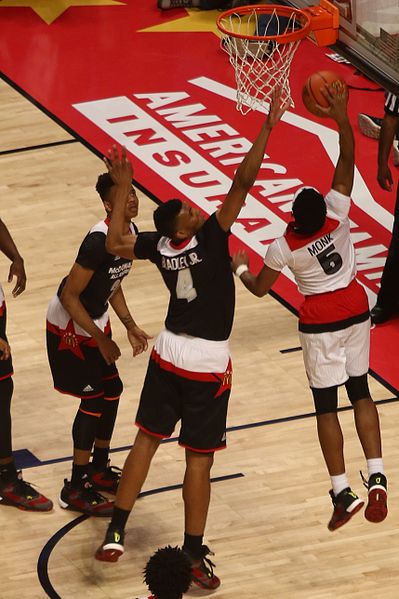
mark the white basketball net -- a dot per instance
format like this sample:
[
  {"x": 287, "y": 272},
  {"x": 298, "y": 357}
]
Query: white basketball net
[{"x": 260, "y": 65}]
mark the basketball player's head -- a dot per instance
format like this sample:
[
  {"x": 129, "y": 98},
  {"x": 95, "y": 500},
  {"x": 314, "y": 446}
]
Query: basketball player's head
[
  {"x": 309, "y": 210},
  {"x": 168, "y": 573},
  {"x": 177, "y": 220},
  {"x": 103, "y": 187}
]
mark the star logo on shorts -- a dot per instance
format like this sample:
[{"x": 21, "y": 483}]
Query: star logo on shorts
[
  {"x": 225, "y": 380},
  {"x": 71, "y": 341}
]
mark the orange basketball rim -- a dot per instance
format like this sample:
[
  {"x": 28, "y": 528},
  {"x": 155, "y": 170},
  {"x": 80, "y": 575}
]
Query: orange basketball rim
[{"x": 261, "y": 41}]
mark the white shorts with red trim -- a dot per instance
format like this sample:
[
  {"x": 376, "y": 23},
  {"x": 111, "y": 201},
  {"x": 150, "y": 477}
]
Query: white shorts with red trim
[{"x": 331, "y": 358}]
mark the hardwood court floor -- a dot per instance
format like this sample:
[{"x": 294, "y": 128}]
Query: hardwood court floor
[{"x": 268, "y": 527}]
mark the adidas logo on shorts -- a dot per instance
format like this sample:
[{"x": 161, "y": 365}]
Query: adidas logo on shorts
[{"x": 88, "y": 388}]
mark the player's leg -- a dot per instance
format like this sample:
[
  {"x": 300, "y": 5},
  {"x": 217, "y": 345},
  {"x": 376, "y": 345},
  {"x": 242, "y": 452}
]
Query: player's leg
[
  {"x": 13, "y": 489},
  {"x": 388, "y": 297},
  {"x": 103, "y": 476},
  {"x": 366, "y": 420},
  {"x": 156, "y": 417},
  {"x": 78, "y": 372},
  {"x": 203, "y": 431},
  {"x": 324, "y": 359},
  {"x": 79, "y": 494}
]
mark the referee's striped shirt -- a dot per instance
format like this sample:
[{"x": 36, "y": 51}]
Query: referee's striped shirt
[{"x": 392, "y": 104}]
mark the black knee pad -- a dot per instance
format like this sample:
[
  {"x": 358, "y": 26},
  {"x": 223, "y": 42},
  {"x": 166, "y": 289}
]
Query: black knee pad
[
  {"x": 113, "y": 388},
  {"x": 92, "y": 407},
  {"x": 84, "y": 430},
  {"x": 357, "y": 388},
  {"x": 325, "y": 400}
]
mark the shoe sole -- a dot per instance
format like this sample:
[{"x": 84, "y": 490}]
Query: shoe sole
[
  {"x": 108, "y": 555},
  {"x": 343, "y": 521},
  {"x": 368, "y": 128},
  {"x": 26, "y": 508},
  {"x": 376, "y": 510}
]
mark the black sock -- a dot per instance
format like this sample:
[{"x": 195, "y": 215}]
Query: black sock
[
  {"x": 100, "y": 458},
  {"x": 78, "y": 472},
  {"x": 119, "y": 518},
  {"x": 8, "y": 472},
  {"x": 193, "y": 545}
]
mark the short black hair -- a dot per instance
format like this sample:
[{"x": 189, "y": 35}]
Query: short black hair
[
  {"x": 103, "y": 185},
  {"x": 165, "y": 217},
  {"x": 168, "y": 573},
  {"x": 309, "y": 210}
]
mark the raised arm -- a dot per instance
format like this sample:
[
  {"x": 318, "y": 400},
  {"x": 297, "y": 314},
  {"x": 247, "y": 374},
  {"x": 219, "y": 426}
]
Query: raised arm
[
  {"x": 17, "y": 268},
  {"x": 337, "y": 97},
  {"x": 248, "y": 170},
  {"x": 259, "y": 284},
  {"x": 388, "y": 130},
  {"x": 121, "y": 171}
]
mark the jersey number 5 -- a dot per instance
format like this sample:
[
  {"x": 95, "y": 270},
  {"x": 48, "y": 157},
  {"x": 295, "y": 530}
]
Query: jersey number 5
[
  {"x": 330, "y": 261},
  {"x": 184, "y": 286}
]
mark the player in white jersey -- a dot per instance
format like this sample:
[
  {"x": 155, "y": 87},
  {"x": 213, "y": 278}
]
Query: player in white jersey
[{"x": 334, "y": 323}]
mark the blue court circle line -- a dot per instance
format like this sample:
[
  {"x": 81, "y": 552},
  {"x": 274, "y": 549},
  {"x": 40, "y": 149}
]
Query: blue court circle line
[{"x": 43, "y": 560}]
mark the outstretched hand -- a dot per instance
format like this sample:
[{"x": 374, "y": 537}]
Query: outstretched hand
[
  {"x": 336, "y": 95},
  {"x": 277, "y": 108},
  {"x": 119, "y": 166}
]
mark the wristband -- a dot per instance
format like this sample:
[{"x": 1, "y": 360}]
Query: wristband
[{"x": 240, "y": 270}]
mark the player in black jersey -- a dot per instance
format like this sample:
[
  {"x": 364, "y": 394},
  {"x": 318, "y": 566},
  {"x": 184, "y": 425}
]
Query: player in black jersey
[
  {"x": 189, "y": 372},
  {"x": 82, "y": 355},
  {"x": 13, "y": 489}
]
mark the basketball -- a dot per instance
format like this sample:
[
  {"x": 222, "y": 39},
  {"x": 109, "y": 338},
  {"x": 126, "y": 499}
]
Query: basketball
[{"x": 311, "y": 91}]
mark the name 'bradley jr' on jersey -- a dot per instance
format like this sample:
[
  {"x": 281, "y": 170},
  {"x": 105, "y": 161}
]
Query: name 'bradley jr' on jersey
[{"x": 180, "y": 262}]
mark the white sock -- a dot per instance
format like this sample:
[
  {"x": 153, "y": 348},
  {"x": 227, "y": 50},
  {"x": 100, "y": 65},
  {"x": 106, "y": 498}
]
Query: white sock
[
  {"x": 375, "y": 466},
  {"x": 339, "y": 482}
]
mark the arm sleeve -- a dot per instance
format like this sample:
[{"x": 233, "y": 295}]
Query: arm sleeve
[
  {"x": 338, "y": 204},
  {"x": 274, "y": 256},
  {"x": 146, "y": 246},
  {"x": 92, "y": 252}
]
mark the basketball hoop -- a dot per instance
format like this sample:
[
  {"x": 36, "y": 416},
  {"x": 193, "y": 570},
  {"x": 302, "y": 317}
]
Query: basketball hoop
[{"x": 261, "y": 41}]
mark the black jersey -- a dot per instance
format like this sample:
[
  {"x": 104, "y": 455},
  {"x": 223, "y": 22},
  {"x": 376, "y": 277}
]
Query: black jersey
[
  {"x": 199, "y": 278},
  {"x": 109, "y": 270}
]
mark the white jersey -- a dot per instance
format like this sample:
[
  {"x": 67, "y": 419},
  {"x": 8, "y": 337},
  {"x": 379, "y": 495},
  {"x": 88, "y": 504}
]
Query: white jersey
[
  {"x": 322, "y": 262},
  {"x": 324, "y": 268}
]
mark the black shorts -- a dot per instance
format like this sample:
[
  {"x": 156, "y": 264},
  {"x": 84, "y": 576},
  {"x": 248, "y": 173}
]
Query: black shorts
[
  {"x": 6, "y": 369},
  {"x": 200, "y": 403},
  {"x": 81, "y": 372}
]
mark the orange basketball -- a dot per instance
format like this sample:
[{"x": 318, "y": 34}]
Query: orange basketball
[{"x": 311, "y": 91}]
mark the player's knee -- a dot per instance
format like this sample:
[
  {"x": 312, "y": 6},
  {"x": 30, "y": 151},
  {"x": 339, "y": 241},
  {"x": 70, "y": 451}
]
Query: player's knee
[
  {"x": 199, "y": 460},
  {"x": 357, "y": 388},
  {"x": 113, "y": 388},
  {"x": 325, "y": 400},
  {"x": 92, "y": 407}
]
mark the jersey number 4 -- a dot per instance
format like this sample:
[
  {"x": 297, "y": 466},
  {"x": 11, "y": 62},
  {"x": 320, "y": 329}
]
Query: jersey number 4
[{"x": 184, "y": 286}]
